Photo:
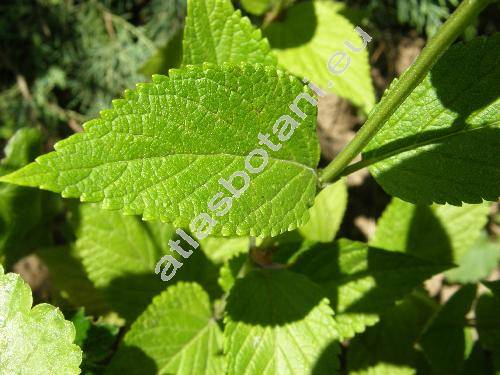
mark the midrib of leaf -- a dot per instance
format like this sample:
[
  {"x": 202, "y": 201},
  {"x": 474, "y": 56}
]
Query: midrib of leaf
[
  {"x": 126, "y": 161},
  {"x": 367, "y": 162}
]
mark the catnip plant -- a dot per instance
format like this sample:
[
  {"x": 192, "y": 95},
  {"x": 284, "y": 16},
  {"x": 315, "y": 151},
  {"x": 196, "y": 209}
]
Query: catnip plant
[{"x": 207, "y": 230}]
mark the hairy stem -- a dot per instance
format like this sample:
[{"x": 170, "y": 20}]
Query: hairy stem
[{"x": 451, "y": 29}]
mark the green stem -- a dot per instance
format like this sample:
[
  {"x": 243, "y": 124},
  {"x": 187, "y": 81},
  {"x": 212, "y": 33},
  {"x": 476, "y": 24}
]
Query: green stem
[{"x": 451, "y": 29}]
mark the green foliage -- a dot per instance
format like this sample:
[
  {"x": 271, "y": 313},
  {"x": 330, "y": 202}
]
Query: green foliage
[
  {"x": 441, "y": 144},
  {"x": 309, "y": 35},
  {"x": 440, "y": 233},
  {"x": 21, "y": 209},
  {"x": 425, "y": 15},
  {"x": 326, "y": 213},
  {"x": 96, "y": 339},
  {"x": 267, "y": 288},
  {"x": 175, "y": 335},
  {"x": 488, "y": 320},
  {"x": 84, "y": 166},
  {"x": 216, "y": 33},
  {"x": 447, "y": 340},
  {"x": 259, "y": 7},
  {"x": 477, "y": 263},
  {"x": 33, "y": 340},
  {"x": 360, "y": 281},
  {"x": 389, "y": 346},
  {"x": 291, "y": 330}
]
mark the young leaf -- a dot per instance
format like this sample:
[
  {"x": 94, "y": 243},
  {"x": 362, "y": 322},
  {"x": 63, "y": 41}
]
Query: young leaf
[
  {"x": 163, "y": 149},
  {"x": 326, "y": 214},
  {"x": 436, "y": 233},
  {"x": 221, "y": 249},
  {"x": 257, "y": 7},
  {"x": 389, "y": 346},
  {"x": 447, "y": 341},
  {"x": 216, "y": 33},
  {"x": 278, "y": 322},
  {"x": 441, "y": 145},
  {"x": 175, "y": 335},
  {"x": 361, "y": 282},
  {"x": 311, "y": 33},
  {"x": 33, "y": 340},
  {"x": 21, "y": 209}
]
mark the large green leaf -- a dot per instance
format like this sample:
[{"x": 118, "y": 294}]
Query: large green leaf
[
  {"x": 175, "y": 335},
  {"x": 278, "y": 322},
  {"x": 361, "y": 282},
  {"x": 33, "y": 340},
  {"x": 309, "y": 35},
  {"x": 326, "y": 214},
  {"x": 441, "y": 145},
  {"x": 163, "y": 149},
  {"x": 436, "y": 233},
  {"x": 216, "y": 33},
  {"x": 21, "y": 209},
  {"x": 447, "y": 341}
]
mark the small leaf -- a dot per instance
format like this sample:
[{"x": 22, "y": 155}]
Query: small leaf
[
  {"x": 163, "y": 150},
  {"x": 326, "y": 214},
  {"x": 216, "y": 33},
  {"x": 310, "y": 34},
  {"x": 277, "y": 322},
  {"x": 441, "y": 145},
  {"x": 175, "y": 335},
  {"x": 362, "y": 282},
  {"x": 436, "y": 233},
  {"x": 33, "y": 340},
  {"x": 447, "y": 341}
]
